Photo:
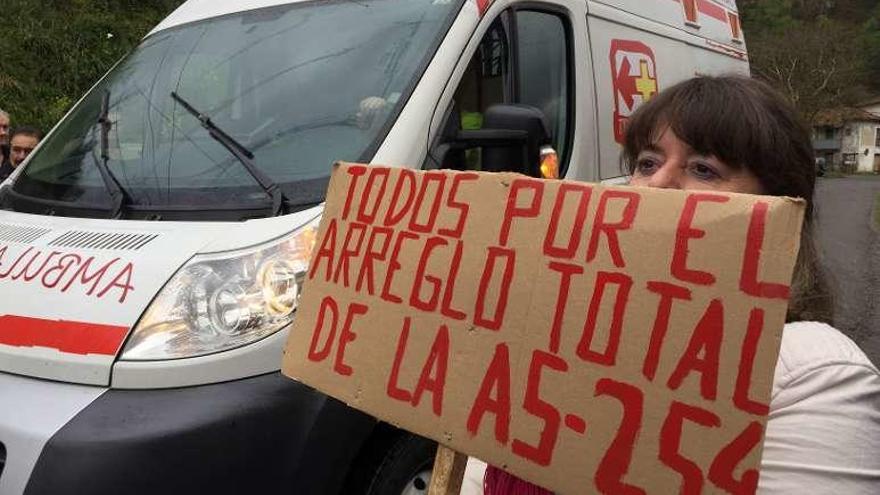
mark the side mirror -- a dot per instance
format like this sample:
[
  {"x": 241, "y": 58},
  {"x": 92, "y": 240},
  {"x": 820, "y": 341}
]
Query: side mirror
[{"x": 510, "y": 139}]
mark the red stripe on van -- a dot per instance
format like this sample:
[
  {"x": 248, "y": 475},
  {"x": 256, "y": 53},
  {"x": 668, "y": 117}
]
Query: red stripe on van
[
  {"x": 67, "y": 336},
  {"x": 712, "y": 9},
  {"x": 709, "y": 8}
]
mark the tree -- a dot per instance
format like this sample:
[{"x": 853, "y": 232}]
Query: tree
[
  {"x": 871, "y": 42},
  {"x": 817, "y": 65},
  {"x": 816, "y": 52},
  {"x": 766, "y": 16},
  {"x": 54, "y": 50}
]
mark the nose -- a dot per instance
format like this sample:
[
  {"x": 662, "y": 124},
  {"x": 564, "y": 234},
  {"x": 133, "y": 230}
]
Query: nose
[{"x": 667, "y": 176}]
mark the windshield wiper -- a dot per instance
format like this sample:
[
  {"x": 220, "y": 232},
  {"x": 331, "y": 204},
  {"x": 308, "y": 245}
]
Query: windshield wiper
[
  {"x": 117, "y": 193},
  {"x": 244, "y": 155}
]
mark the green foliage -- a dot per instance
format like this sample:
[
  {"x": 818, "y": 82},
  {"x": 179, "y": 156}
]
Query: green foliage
[
  {"x": 773, "y": 16},
  {"x": 820, "y": 53},
  {"x": 54, "y": 50},
  {"x": 877, "y": 213},
  {"x": 871, "y": 41}
]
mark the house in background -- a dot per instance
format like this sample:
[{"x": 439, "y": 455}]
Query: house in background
[{"x": 847, "y": 139}]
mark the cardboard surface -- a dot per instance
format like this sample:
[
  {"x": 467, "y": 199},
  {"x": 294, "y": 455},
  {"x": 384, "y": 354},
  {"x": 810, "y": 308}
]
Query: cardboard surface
[{"x": 587, "y": 338}]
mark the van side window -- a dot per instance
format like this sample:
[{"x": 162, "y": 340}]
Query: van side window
[
  {"x": 486, "y": 81},
  {"x": 523, "y": 58},
  {"x": 543, "y": 70}
]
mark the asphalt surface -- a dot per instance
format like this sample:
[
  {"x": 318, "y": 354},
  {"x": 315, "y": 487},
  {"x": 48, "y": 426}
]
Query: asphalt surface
[{"x": 849, "y": 240}]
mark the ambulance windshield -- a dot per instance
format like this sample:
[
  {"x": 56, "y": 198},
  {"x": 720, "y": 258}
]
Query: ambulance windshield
[{"x": 299, "y": 85}]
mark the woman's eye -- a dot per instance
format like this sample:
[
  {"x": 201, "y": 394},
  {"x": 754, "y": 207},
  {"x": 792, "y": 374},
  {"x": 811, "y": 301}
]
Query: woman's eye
[
  {"x": 646, "y": 166},
  {"x": 704, "y": 172}
]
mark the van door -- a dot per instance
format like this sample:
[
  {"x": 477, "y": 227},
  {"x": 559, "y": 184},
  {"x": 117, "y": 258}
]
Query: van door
[
  {"x": 641, "y": 47},
  {"x": 531, "y": 54}
]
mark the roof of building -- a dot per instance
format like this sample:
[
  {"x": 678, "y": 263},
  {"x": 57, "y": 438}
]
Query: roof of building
[
  {"x": 835, "y": 117},
  {"x": 869, "y": 102}
]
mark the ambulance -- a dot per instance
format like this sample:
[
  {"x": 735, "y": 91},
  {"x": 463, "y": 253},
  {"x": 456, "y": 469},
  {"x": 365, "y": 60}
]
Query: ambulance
[{"x": 152, "y": 248}]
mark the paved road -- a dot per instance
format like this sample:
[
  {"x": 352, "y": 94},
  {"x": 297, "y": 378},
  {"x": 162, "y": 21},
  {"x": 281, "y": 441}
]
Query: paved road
[{"x": 850, "y": 244}]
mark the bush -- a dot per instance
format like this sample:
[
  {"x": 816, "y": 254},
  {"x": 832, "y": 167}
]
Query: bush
[
  {"x": 54, "y": 50},
  {"x": 877, "y": 213}
]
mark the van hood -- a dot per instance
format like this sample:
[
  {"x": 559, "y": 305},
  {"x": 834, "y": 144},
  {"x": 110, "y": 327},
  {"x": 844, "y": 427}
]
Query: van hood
[{"x": 72, "y": 289}]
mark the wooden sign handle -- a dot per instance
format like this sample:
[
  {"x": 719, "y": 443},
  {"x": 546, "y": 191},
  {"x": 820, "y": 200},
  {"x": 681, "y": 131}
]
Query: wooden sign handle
[{"x": 448, "y": 472}]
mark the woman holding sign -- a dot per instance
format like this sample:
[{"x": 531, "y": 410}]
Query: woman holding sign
[{"x": 735, "y": 134}]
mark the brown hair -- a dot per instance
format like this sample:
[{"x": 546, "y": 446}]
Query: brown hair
[
  {"x": 26, "y": 130},
  {"x": 745, "y": 124}
]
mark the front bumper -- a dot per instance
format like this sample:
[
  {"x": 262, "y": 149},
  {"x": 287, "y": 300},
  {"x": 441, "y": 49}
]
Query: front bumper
[{"x": 266, "y": 434}]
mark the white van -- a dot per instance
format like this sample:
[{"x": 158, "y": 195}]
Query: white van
[{"x": 152, "y": 247}]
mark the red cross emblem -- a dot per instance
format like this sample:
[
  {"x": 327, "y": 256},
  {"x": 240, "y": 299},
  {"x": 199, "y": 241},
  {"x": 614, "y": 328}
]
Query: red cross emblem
[{"x": 634, "y": 80}]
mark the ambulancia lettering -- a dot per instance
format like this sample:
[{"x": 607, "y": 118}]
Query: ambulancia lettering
[{"x": 63, "y": 271}]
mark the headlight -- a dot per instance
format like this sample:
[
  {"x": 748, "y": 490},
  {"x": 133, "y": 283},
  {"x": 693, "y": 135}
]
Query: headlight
[{"x": 221, "y": 301}]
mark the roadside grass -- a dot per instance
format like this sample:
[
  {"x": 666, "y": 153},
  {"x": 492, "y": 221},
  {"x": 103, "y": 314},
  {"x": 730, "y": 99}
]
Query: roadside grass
[
  {"x": 837, "y": 174},
  {"x": 877, "y": 213},
  {"x": 866, "y": 175},
  {"x": 833, "y": 174}
]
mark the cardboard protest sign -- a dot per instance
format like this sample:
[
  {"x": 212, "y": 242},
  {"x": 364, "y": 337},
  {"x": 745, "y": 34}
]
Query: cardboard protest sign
[{"x": 587, "y": 338}]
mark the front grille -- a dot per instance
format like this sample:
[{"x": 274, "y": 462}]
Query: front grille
[
  {"x": 24, "y": 234},
  {"x": 115, "y": 241}
]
